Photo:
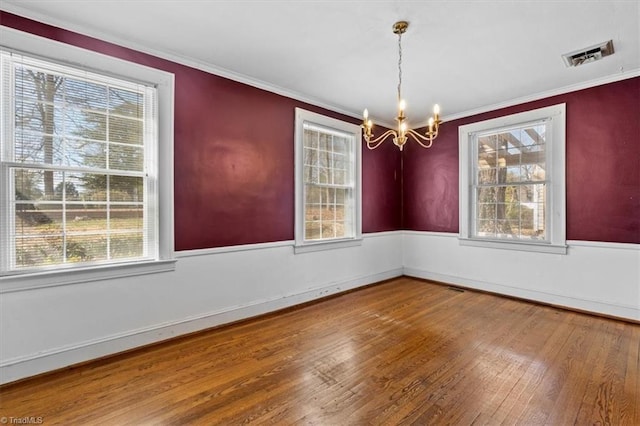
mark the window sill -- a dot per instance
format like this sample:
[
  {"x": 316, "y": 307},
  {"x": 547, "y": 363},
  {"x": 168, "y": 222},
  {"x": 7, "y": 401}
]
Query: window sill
[
  {"x": 326, "y": 245},
  {"x": 515, "y": 245},
  {"x": 30, "y": 281}
]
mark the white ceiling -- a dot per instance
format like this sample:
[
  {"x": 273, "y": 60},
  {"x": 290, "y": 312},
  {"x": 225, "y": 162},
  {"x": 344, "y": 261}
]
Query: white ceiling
[{"x": 468, "y": 56}]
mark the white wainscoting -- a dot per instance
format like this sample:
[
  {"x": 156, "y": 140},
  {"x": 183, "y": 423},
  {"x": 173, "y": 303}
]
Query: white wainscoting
[
  {"x": 52, "y": 327},
  {"x": 601, "y": 278},
  {"x": 48, "y": 328}
]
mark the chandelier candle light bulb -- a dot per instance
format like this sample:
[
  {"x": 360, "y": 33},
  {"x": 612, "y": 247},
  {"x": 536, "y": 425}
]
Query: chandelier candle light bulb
[
  {"x": 401, "y": 106},
  {"x": 400, "y": 136}
]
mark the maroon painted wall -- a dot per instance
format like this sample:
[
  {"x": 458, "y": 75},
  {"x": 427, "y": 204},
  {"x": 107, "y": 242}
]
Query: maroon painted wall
[
  {"x": 233, "y": 155},
  {"x": 381, "y": 187},
  {"x": 602, "y": 166},
  {"x": 234, "y": 177}
]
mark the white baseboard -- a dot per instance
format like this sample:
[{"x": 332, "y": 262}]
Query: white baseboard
[
  {"x": 18, "y": 368},
  {"x": 594, "y": 306}
]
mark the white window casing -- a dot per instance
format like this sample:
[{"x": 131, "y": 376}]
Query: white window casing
[
  {"x": 71, "y": 63},
  {"x": 552, "y": 221},
  {"x": 328, "y": 194}
]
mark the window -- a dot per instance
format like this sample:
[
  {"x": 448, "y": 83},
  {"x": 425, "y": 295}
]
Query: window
[
  {"x": 327, "y": 182},
  {"x": 512, "y": 191},
  {"x": 79, "y": 159}
]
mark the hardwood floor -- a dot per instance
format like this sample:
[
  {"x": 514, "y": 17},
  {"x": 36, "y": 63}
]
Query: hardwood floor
[{"x": 402, "y": 352}]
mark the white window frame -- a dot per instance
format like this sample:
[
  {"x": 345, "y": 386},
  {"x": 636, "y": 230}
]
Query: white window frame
[
  {"x": 302, "y": 245},
  {"x": 56, "y": 52},
  {"x": 554, "y": 176}
]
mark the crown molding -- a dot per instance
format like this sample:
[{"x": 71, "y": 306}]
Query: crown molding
[
  {"x": 269, "y": 87},
  {"x": 546, "y": 94}
]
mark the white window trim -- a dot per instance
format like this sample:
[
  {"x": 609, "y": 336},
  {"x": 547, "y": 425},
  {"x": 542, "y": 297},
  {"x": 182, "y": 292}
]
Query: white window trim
[
  {"x": 302, "y": 246},
  {"x": 556, "y": 174},
  {"x": 44, "y": 48}
]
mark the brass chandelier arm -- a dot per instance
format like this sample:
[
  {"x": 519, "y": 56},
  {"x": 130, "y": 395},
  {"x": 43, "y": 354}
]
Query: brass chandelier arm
[
  {"x": 429, "y": 137},
  {"x": 373, "y": 144}
]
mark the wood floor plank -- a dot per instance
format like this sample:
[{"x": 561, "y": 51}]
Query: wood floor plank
[
  {"x": 539, "y": 349},
  {"x": 405, "y": 351}
]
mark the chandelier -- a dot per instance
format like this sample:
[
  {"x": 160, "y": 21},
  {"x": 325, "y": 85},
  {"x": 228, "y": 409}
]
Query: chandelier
[{"x": 400, "y": 136}]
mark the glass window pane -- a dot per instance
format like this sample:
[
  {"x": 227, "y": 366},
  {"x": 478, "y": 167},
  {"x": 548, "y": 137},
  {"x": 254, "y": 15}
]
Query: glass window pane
[
  {"x": 85, "y": 248},
  {"x": 83, "y": 124},
  {"x": 312, "y": 194},
  {"x": 86, "y": 233},
  {"x": 91, "y": 186},
  {"x": 324, "y": 175},
  {"x": 25, "y": 83},
  {"x": 127, "y": 225},
  {"x": 327, "y": 213},
  {"x": 310, "y": 139},
  {"x": 486, "y": 195},
  {"x": 310, "y": 156},
  {"x": 341, "y": 146},
  {"x": 486, "y": 228},
  {"x": 312, "y": 230},
  {"x": 486, "y": 211},
  {"x": 514, "y": 173},
  {"x": 126, "y": 188},
  {"x": 33, "y": 221},
  {"x": 126, "y": 102},
  {"x": 35, "y": 251},
  {"x": 38, "y": 185},
  {"x": 29, "y": 147},
  {"x": 85, "y": 153},
  {"x": 88, "y": 218},
  {"x": 328, "y": 230},
  {"x": 125, "y": 130},
  {"x": 533, "y": 210},
  {"x": 126, "y": 157},
  {"x": 312, "y": 212},
  {"x": 127, "y": 218},
  {"x": 486, "y": 164},
  {"x": 28, "y": 184},
  {"x": 126, "y": 245},
  {"x": 82, "y": 94},
  {"x": 324, "y": 143},
  {"x": 310, "y": 174}
]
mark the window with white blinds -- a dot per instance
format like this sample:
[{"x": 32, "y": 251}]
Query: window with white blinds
[
  {"x": 328, "y": 179},
  {"x": 78, "y": 167}
]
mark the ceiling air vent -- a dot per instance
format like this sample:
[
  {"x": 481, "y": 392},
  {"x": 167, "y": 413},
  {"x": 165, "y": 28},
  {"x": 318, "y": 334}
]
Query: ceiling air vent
[{"x": 589, "y": 54}]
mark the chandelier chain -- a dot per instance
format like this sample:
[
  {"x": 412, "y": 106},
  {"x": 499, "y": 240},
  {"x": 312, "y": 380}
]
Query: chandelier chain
[{"x": 399, "y": 66}]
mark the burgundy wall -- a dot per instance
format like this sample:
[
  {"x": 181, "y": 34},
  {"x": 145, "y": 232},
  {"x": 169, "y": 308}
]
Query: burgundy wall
[
  {"x": 602, "y": 169},
  {"x": 233, "y": 155},
  {"x": 381, "y": 187},
  {"x": 234, "y": 176}
]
